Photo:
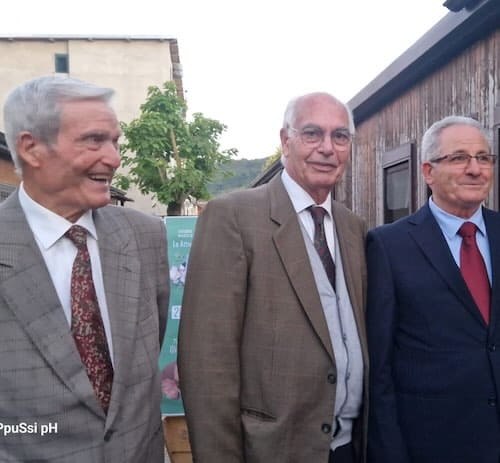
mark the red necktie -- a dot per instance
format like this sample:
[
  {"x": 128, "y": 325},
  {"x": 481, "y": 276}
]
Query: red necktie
[
  {"x": 86, "y": 322},
  {"x": 318, "y": 215},
  {"x": 473, "y": 269}
]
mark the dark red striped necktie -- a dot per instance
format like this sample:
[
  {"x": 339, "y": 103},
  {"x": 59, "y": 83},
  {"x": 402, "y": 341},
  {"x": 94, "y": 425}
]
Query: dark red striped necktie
[{"x": 473, "y": 269}]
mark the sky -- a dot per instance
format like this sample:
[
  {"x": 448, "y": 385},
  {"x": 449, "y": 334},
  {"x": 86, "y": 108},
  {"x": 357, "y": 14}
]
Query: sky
[{"x": 243, "y": 61}]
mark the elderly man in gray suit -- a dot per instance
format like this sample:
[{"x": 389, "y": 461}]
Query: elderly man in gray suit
[
  {"x": 272, "y": 345},
  {"x": 83, "y": 288}
]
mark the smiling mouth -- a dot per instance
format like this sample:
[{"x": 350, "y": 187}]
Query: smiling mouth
[
  {"x": 105, "y": 179},
  {"x": 323, "y": 166}
]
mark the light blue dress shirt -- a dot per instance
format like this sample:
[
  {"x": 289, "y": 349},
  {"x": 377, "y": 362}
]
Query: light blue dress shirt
[{"x": 450, "y": 225}]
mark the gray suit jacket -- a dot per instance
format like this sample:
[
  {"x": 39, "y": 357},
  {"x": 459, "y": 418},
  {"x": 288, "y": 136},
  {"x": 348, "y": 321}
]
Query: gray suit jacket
[
  {"x": 257, "y": 368},
  {"x": 42, "y": 379}
]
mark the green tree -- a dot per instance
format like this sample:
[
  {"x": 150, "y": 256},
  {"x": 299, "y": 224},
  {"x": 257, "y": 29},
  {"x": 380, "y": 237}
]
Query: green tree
[
  {"x": 168, "y": 156},
  {"x": 270, "y": 160}
]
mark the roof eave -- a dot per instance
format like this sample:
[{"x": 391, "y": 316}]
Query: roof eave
[{"x": 446, "y": 39}]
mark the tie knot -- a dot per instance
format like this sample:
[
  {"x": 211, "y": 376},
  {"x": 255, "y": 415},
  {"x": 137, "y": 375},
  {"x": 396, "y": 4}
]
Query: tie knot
[
  {"x": 78, "y": 235},
  {"x": 318, "y": 214},
  {"x": 467, "y": 230}
]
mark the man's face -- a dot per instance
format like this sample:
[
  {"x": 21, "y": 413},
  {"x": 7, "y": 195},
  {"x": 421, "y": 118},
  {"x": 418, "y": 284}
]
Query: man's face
[
  {"x": 317, "y": 166},
  {"x": 74, "y": 173},
  {"x": 459, "y": 189}
]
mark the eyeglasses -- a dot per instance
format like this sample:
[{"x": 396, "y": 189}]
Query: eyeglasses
[
  {"x": 463, "y": 159},
  {"x": 312, "y": 135}
]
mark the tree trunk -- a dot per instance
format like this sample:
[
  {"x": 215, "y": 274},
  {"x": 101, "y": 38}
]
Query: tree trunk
[{"x": 174, "y": 208}]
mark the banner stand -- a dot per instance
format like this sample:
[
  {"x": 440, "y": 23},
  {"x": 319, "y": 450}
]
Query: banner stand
[{"x": 180, "y": 232}]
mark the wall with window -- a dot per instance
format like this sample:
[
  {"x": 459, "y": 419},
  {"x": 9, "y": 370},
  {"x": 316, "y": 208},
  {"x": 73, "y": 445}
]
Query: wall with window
[
  {"x": 376, "y": 185},
  {"x": 128, "y": 65}
]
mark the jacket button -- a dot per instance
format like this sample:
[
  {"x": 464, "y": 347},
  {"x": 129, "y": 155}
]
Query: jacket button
[
  {"x": 107, "y": 436},
  {"x": 492, "y": 348},
  {"x": 332, "y": 378},
  {"x": 492, "y": 402},
  {"x": 326, "y": 428}
]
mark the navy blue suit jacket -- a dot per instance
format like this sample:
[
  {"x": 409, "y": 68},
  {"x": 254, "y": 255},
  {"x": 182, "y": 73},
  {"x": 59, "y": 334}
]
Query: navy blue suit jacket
[{"x": 435, "y": 364}]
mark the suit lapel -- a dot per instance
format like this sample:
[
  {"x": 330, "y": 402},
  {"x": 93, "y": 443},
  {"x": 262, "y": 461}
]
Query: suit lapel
[
  {"x": 121, "y": 273},
  {"x": 492, "y": 221},
  {"x": 27, "y": 289},
  {"x": 290, "y": 246},
  {"x": 428, "y": 236},
  {"x": 350, "y": 252},
  {"x": 352, "y": 258}
]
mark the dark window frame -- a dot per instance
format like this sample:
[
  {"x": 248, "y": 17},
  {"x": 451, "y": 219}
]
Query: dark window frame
[
  {"x": 398, "y": 157},
  {"x": 61, "y": 63}
]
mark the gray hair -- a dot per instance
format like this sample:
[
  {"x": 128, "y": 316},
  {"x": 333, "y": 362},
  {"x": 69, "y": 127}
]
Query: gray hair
[
  {"x": 35, "y": 107},
  {"x": 291, "y": 110},
  {"x": 431, "y": 143}
]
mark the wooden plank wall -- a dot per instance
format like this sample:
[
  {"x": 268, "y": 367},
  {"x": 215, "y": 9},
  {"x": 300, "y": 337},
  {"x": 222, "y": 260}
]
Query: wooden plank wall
[{"x": 467, "y": 85}]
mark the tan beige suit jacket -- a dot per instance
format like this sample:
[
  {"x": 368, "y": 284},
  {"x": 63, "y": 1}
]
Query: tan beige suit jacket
[{"x": 255, "y": 356}]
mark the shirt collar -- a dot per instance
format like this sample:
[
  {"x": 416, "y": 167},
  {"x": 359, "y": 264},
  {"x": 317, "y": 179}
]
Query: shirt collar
[
  {"x": 450, "y": 223},
  {"x": 46, "y": 225},
  {"x": 302, "y": 200}
]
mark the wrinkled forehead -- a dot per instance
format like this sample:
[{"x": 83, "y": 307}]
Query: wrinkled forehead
[
  {"x": 462, "y": 138},
  {"x": 321, "y": 110}
]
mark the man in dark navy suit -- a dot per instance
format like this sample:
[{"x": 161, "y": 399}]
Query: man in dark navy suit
[{"x": 433, "y": 314}]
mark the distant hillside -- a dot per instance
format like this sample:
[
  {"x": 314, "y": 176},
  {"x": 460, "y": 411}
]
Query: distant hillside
[{"x": 243, "y": 172}]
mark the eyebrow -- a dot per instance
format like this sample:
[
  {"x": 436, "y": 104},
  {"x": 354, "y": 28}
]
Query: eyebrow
[
  {"x": 314, "y": 126},
  {"x": 462, "y": 151}
]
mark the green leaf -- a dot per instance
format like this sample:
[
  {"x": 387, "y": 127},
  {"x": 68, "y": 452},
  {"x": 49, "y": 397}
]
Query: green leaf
[{"x": 168, "y": 156}]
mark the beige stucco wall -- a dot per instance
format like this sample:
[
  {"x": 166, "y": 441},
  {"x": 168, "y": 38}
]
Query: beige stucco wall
[{"x": 129, "y": 66}]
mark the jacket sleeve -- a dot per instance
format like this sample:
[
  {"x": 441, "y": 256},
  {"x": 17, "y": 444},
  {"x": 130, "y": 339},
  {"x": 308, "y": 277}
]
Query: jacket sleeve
[
  {"x": 163, "y": 283},
  {"x": 385, "y": 441},
  {"x": 210, "y": 335}
]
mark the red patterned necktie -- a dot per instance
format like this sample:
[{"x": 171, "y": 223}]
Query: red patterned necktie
[
  {"x": 473, "y": 269},
  {"x": 86, "y": 322},
  {"x": 320, "y": 243}
]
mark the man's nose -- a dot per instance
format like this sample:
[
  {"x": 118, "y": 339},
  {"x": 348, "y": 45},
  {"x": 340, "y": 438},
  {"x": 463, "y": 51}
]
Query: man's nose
[
  {"x": 473, "y": 167},
  {"x": 112, "y": 155},
  {"x": 326, "y": 146}
]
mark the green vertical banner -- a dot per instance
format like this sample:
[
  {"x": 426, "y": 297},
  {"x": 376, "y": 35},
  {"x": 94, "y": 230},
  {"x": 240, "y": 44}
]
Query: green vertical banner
[{"x": 180, "y": 231}]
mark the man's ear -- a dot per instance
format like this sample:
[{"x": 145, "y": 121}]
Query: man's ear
[
  {"x": 284, "y": 139},
  {"x": 427, "y": 169},
  {"x": 28, "y": 149}
]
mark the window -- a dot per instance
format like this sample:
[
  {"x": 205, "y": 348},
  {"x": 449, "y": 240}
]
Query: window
[
  {"x": 398, "y": 181},
  {"x": 62, "y": 63},
  {"x": 396, "y": 191}
]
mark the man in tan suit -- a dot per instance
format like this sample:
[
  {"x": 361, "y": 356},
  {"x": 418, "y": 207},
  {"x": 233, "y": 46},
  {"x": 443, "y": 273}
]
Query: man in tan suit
[{"x": 272, "y": 348}]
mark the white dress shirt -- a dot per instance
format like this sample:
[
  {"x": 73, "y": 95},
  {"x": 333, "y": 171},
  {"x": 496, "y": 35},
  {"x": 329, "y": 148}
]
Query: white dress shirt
[
  {"x": 301, "y": 201},
  {"x": 59, "y": 253}
]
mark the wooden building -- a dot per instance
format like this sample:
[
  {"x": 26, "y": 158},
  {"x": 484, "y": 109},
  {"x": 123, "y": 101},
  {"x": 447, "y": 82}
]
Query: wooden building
[
  {"x": 8, "y": 178},
  {"x": 453, "y": 69}
]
